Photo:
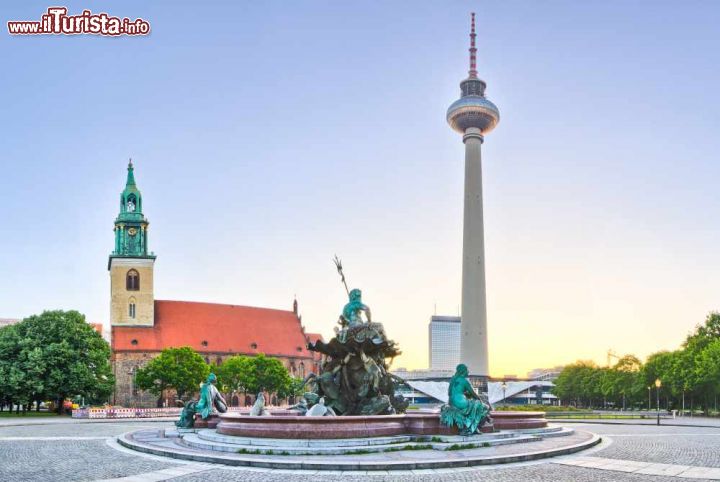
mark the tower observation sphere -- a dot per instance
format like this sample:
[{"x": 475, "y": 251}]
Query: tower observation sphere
[
  {"x": 473, "y": 115},
  {"x": 473, "y": 109}
]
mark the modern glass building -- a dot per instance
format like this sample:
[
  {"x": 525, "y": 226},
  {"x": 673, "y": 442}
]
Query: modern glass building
[{"x": 444, "y": 343}]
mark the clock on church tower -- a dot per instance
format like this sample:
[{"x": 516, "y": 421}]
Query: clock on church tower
[{"x": 131, "y": 266}]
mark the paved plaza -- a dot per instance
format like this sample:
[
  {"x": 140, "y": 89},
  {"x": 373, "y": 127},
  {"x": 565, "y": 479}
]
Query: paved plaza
[{"x": 70, "y": 450}]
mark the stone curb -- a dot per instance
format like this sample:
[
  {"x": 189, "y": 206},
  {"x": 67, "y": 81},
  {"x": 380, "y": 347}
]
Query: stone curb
[
  {"x": 649, "y": 424},
  {"x": 80, "y": 421},
  {"x": 277, "y": 463}
]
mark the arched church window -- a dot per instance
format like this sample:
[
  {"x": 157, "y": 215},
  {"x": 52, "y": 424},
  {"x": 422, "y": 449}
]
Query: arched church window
[
  {"x": 133, "y": 385},
  {"x": 302, "y": 370},
  {"x": 131, "y": 308},
  {"x": 132, "y": 280}
]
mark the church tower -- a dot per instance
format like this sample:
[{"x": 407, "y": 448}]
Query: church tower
[{"x": 132, "y": 300}]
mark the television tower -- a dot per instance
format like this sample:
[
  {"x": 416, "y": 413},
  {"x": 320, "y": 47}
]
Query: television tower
[{"x": 473, "y": 116}]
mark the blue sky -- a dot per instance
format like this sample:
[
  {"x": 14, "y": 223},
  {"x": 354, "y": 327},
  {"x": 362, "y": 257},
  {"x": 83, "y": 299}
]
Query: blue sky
[{"x": 269, "y": 136}]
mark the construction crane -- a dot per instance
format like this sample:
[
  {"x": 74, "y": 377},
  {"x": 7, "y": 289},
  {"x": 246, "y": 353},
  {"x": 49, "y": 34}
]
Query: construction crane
[{"x": 611, "y": 354}]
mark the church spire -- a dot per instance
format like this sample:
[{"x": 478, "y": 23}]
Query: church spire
[
  {"x": 131, "y": 226},
  {"x": 130, "y": 175}
]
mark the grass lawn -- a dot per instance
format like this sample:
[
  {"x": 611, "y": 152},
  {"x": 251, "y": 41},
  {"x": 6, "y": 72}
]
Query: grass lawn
[
  {"x": 5, "y": 414},
  {"x": 589, "y": 416}
]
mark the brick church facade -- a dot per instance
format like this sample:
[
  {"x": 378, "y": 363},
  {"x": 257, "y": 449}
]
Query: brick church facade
[{"x": 141, "y": 326}]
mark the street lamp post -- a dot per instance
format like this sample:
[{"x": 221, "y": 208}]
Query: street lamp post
[
  {"x": 658, "y": 384},
  {"x": 504, "y": 387},
  {"x": 649, "y": 388}
]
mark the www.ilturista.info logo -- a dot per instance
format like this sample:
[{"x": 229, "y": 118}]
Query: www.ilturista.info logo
[{"x": 57, "y": 22}]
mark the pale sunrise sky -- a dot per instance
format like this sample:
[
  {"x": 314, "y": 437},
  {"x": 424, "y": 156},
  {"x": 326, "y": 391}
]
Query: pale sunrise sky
[{"x": 269, "y": 136}]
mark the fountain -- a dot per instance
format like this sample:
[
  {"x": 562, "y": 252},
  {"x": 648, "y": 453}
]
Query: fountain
[{"x": 351, "y": 408}]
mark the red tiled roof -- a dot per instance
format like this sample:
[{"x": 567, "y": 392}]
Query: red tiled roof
[
  {"x": 212, "y": 328},
  {"x": 313, "y": 337}
]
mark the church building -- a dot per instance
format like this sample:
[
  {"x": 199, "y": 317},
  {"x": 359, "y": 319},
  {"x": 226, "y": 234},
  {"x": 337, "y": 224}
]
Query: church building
[{"x": 142, "y": 326}]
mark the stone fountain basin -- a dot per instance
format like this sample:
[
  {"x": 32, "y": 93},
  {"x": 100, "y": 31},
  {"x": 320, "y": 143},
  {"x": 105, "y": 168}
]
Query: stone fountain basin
[{"x": 280, "y": 425}]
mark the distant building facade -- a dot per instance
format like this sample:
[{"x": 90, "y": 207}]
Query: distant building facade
[
  {"x": 8, "y": 321},
  {"x": 549, "y": 374},
  {"x": 141, "y": 326},
  {"x": 444, "y": 342},
  {"x": 423, "y": 374}
]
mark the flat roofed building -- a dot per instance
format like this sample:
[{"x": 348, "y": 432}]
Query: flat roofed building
[
  {"x": 549, "y": 374},
  {"x": 8, "y": 321},
  {"x": 444, "y": 342}
]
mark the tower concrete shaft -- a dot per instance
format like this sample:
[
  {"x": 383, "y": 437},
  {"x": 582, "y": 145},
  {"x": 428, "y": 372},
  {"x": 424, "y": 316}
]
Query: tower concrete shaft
[{"x": 474, "y": 344}]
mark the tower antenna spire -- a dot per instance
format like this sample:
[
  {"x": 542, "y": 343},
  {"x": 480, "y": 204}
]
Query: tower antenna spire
[{"x": 473, "y": 50}]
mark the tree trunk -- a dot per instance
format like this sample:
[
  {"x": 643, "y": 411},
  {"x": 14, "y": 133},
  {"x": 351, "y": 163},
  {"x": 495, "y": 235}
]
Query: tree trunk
[
  {"x": 706, "y": 410},
  {"x": 160, "y": 400}
]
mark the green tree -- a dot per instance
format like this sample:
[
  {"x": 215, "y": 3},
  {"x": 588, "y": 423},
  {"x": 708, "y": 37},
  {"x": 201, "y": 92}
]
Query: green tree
[
  {"x": 296, "y": 387},
  {"x": 705, "y": 333},
  {"x": 236, "y": 374},
  {"x": 253, "y": 374},
  {"x": 10, "y": 388},
  {"x": 60, "y": 356},
  {"x": 706, "y": 371},
  {"x": 627, "y": 381},
  {"x": 579, "y": 383},
  {"x": 182, "y": 369}
]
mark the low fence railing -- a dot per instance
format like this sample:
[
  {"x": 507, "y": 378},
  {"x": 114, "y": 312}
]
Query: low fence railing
[
  {"x": 118, "y": 412},
  {"x": 97, "y": 413},
  {"x": 608, "y": 414}
]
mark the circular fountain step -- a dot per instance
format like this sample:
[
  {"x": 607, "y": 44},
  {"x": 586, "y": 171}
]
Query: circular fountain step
[
  {"x": 213, "y": 436},
  {"x": 207, "y": 439},
  {"x": 423, "y": 452}
]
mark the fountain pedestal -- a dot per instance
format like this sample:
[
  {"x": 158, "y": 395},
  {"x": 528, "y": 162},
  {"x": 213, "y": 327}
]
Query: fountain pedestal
[
  {"x": 211, "y": 422},
  {"x": 360, "y": 426}
]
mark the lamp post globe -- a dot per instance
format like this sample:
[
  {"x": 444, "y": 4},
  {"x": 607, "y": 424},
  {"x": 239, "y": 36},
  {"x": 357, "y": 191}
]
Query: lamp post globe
[{"x": 658, "y": 384}]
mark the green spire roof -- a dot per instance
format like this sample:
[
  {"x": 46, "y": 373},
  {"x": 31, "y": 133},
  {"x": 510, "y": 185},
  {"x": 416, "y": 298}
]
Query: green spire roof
[
  {"x": 131, "y": 175},
  {"x": 131, "y": 225}
]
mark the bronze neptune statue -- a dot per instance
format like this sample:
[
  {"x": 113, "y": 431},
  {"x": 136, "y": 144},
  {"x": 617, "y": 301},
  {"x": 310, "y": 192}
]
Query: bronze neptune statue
[{"x": 355, "y": 376}]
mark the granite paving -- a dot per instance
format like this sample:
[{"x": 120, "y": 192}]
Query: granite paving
[
  {"x": 546, "y": 472},
  {"x": 70, "y": 451},
  {"x": 671, "y": 445},
  {"x": 69, "y": 460}
]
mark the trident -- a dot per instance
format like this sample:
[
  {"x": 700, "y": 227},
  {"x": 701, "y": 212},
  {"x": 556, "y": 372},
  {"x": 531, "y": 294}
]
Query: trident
[{"x": 338, "y": 265}]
